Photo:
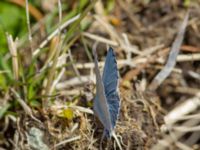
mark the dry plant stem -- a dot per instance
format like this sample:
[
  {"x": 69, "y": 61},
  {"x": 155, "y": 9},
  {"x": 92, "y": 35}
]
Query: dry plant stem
[
  {"x": 186, "y": 117},
  {"x": 55, "y": 82},
  {"x": 187, "y": 107},
  {"x": 82, "y": 109},
  {"x": 86, "y": 49},
  {"x": 135, "y": 61},
  {"x": 26, "y": 108},
  {"x": 29, "y": 27},
  {"x": 71, "y": 92},
  {"x": 74, "y": 66},
  {"x": 75, "y": 81},
  {"x": 52, "y": 70},
  {"x": 129, "y": 14},
  {"x": 193, "y": 138},
  {"x": 98, "y": 7},
  {"x": 163, "y": 74},
  {"x": 112, "y": 42},
  {"x": 128, "y": 47},
  {"x": 141, "y": 63},
  {"x": 187, "y": 90},
  {"x": 50, "y": 78},
  {"x": 190, "y": 48},
  {"x": 54, "y": 33},
  {"x": 113, "y": 34},
  {"x": 52, "y": 51},
  {"x": 67, "y": 141},
  {"x": 183, "y": 146},
  {"x": 186, "y": 128},
  {"x": 194, "y": 75},
  {"x": 138, "y": 60},
  {"x": 60, "y": 63},
  {"x": 167, "y": 140},
  {"x": 13, "y": 51},
  {"x": 189, "y": 57},
  {"x": 100, "y": 39}
]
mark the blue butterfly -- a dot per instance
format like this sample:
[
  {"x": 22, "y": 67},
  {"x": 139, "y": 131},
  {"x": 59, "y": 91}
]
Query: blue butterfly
[{"x": 107, "y": 101}]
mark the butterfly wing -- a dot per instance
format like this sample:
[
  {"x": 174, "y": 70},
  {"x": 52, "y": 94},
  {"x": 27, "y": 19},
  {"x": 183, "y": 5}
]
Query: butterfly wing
[
  {"x": 100, "y": 103},
  {"x": 110, "y": 81}
]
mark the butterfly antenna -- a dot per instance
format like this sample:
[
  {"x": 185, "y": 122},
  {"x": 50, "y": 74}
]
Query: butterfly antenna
[{"x": 116, "y": 139}]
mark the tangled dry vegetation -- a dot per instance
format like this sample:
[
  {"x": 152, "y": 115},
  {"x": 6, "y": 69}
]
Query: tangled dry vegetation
[{"x": 48, "y": 102}]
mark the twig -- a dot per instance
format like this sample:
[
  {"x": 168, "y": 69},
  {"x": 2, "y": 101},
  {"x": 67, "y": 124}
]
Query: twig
[
  {"x": 185, "y": 108},
  {"x": 163, "y": 74},
  {"x": 128, "y": 52},
  {"x": 133, "y": 19},
  {"x": 190, "y": 48},
  {"x": 187, "y": 90},
  {"x": 193, "y": 74},
  {"x": 168, "y": 140},
  {"x": 183, "y": 146},
  {"x": 113, "y": 34},
  {"x": 100, "y": 39},
  {"x": 70, "y": 92},
  {"x": 186, "y": 128},
  {"x": 74, "y": 81},
  {"x": 188, "y": 57}
]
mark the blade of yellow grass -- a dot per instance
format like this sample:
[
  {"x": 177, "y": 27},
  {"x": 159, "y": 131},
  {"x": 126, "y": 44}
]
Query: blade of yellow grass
[{"x": 13, "y": 51}]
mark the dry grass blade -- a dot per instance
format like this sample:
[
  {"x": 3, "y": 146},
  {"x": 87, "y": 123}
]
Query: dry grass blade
[
  {"x": 67, "y": 141},
  {"x": 54, "y": 33},
  {"x": 183, "y": 146},
  {"x": 163, "y": 74},
  {"x": 100, "y": 39},
  {"x": 74, "y": 82},
  {"x": 195, "y": 116},
  {"x": 26, "y": 108},
  {"x": 73, "y": 66},
  {"x": 186, "y": 128},
  {"x": 29, "y": 26},
  {"x": 82, "y": 109},
  {"x": 133, "y": 19},
  {"x": 55, "y": 82},
  {"x": 173, "y": 137},
  {"x": 52, "y": 72},
  {"x": 188, "y": 57},
  {"x": 13, "y": 51},
  {"x": 185, "y": 108},
  {"x": 113, "y": 34}
]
